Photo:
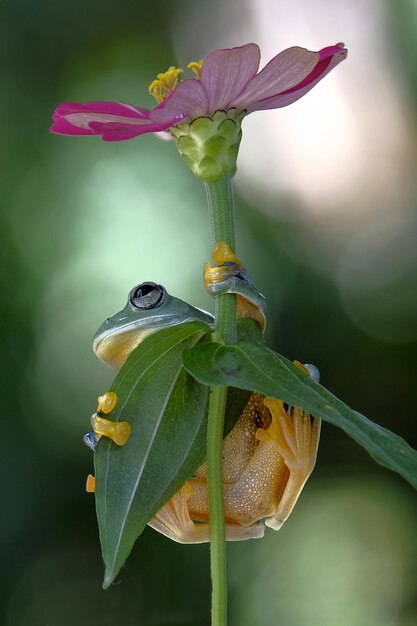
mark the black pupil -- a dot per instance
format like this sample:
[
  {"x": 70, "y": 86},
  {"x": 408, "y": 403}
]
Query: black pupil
[{"x": 148, "y": 295}]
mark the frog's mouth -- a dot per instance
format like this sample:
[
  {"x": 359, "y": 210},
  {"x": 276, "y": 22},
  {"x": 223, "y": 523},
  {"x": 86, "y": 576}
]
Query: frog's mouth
[
  {"x": 113, "y": 345},
  {"x": 114, "y": 348}
]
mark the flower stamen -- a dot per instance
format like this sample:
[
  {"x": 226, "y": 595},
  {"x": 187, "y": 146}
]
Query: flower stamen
[
  {"x": 195, "y": 66},
  {"x": 165, "y": 83}
]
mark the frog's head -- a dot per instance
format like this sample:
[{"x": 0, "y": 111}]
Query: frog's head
[{"x": 149, "y": 308}]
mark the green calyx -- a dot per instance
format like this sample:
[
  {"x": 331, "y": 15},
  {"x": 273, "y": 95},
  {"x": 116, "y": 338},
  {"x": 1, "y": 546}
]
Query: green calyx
[{"x": 210, "y": 145}]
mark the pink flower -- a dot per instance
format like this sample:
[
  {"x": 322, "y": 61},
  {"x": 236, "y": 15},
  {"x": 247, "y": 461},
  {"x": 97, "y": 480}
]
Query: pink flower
[{"x": 225, "y": 79}]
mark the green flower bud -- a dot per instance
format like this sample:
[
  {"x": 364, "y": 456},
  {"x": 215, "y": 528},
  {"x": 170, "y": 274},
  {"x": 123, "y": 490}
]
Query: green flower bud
[{"x": 210, "y": 145}]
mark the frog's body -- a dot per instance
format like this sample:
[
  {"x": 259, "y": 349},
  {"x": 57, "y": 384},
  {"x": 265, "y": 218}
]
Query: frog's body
[
  {"x": 267, "y": 459},
  {"x": 270, "y": 452}
]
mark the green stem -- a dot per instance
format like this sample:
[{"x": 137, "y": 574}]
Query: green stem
[
  {"x": 222, "y": 210},
  {"x": 222, "y": 219},
  {"x": 217, "y": 405}
]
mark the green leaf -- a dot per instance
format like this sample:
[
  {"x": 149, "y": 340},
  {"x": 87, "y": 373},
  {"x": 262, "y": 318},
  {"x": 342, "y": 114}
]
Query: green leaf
[
  {"x": 252, "y": 366},
  {"x": 237, "y": 399},
  {"x": 167, "y": 411},
  {"x": 249, "y": 330}
]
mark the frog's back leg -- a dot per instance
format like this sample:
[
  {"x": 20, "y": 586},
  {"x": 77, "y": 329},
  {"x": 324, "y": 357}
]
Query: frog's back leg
[
  {"x": 254, "y": 473},
  {"x": 296, "y": 437},
  {"x": 173, "y": 520}
]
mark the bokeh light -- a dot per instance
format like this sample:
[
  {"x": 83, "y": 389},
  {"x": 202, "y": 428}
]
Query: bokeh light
[{"x": 347, "y": 557}]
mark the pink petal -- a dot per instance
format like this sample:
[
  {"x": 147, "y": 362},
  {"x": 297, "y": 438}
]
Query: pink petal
[
  {"x": 188, "y": 100},
  {"x": 324, "y": 53},
  {"x": 284, "y": 71},
  {"x": 112, "y": 131},
  {"x": 114, "y": 121},
  {"x": 225, "y": 73},
  {"x": 105, "y": 108},
  {"x": 62, "y": 127},
  {"x": 329, "y": 58}
]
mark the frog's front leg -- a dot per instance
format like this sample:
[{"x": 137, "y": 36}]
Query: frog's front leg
[
  {"x": 173, "y": 520},
  {"x": 230, "y": 276},
  {"x": 295, "y": 434}
]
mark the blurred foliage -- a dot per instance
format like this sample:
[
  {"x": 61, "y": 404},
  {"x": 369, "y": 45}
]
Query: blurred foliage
[{"x": 81, "y": 223}]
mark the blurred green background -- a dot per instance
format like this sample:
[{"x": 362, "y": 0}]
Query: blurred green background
[{"x": 327, "y": 225}]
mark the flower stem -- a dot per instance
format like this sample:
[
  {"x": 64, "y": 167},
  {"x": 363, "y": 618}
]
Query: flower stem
[
  {"x": 222, "y": 219},
  {"x": 217, "y": 405},
  {"x": 221, "y": 210}
]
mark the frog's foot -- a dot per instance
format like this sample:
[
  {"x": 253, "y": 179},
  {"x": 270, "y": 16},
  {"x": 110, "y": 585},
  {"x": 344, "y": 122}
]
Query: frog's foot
[
  {"x": 119, "y": 432},
  {"x": 102, "y": 426},
  {"x": 230, "y": 276},
  {"x": 296, "y": 434},
  {"x": 222, "y": 253},
  {"x": 227, "y": 266},
  {"x": 241, "y": 533},
  {"x": 173, "y": 520},
  {"x": 90, "y": 484},
  {"x": 107, "y": 402}
]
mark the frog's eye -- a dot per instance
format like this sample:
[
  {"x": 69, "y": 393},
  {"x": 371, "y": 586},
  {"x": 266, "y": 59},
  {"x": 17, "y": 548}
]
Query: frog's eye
[{"x": 147, "y": 296}]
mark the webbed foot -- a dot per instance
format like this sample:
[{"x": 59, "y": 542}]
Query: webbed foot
[{"x": 296, "y": 434}]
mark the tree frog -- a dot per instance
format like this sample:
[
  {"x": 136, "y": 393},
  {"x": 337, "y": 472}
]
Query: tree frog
[{"x": 270, "y": 452}]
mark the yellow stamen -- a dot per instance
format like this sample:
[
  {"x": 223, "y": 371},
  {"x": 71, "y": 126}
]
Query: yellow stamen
[
  {"x": 195, "y": 66},
  {"x": 164, "y": 83},
  {"x": 107, "y": 402},
  {"x": 119, "y": 432},
  {"x": 90, "y": 485}
]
